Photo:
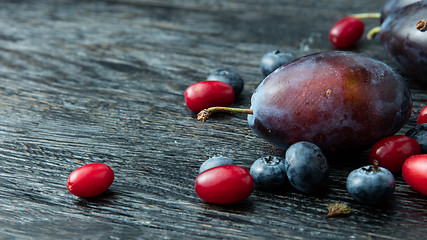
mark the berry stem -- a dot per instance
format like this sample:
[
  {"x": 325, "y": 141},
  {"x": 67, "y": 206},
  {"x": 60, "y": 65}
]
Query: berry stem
[
  {"x": 373, "y": 32},
  {"x": 205, "y": 113},
  {"x": 367, "y": 15},
  {"x": 422, "y": 25},
  {"x": 376, "y": 163},
  {"x": 372, "y": 168}
]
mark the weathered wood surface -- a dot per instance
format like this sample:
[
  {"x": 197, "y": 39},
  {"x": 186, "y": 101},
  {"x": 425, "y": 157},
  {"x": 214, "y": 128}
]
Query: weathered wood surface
[{"x": 103, "y": 81}]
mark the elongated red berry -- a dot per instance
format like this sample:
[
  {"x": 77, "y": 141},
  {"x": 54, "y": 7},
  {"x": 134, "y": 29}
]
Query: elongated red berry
[
  {"x": 414, "y": 171},
  {"x": 225, "y": 184},
  {"x": 391, "y": 152},
  {"x": 422, "y": 116},
  {"x": 207, "y": 94},
  {"x": 346, "y": 32},
  {"x": 90, "y": 180}
]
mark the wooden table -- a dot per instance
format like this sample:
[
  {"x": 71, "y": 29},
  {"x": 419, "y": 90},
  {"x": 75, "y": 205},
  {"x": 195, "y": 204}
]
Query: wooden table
[{"x": 103, "y": 81}]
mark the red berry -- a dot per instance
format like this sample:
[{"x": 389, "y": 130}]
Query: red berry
[
  {"x": 225, "y": 184},
  {"x": 414, "y": 171},
  {"x": 90, "y": 180},
  {"x": 391, "y": 152},
  {"x": 207, "y": 94},
  {"x": 422, "y": 116},
  {"x": 346, "y": 32}
]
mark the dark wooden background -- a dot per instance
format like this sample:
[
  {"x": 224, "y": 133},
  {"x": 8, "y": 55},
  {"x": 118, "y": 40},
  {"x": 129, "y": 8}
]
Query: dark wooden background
[{"x": 103, "y": 81}]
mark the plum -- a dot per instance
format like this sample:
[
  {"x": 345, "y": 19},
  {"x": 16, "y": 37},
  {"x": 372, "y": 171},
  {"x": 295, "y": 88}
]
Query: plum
[
  {"x": 337, "y": 100},
  {"x": 393, "y": 5},
  {"x": 406, "y": 44}
]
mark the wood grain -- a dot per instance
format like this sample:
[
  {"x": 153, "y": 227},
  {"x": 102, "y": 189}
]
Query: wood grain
[{"x": 103, "y": 81}]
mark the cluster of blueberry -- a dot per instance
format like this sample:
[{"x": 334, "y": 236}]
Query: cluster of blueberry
[{"x": 304, "y": 167}]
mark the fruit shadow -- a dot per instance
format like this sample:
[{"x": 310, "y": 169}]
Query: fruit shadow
[
  {"x": 374, "y": 214},
  {"x": 348, "y": 159},
  {"x": 286, "y": 190},
  {"x": 104, "y": 199},
  {"x": 240, "y": 208}
]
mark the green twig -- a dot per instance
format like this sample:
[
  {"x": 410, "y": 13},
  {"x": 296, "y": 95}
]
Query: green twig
[
  {"x": 373, "y": 32},
  {"x": 366, "y": 15}
]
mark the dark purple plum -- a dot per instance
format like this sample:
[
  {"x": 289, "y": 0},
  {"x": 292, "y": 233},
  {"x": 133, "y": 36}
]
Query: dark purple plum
[
  {"x": 406, "y": 44},
  {"x": 393, "y": 5},
  {"x": 337, "y": 100}
]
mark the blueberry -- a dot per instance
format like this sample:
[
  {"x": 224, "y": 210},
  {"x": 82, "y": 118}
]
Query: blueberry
[
  {"x": 370, "y": 184},
  {"x": 273, "y": 60},
  {"x": 215, "y": 162},
  {"x": 307, "y": 168},
  {"x": 419, "y": 133},
  {"x": 269, "y": 172},
  {"x": 228, "y": 76}
]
